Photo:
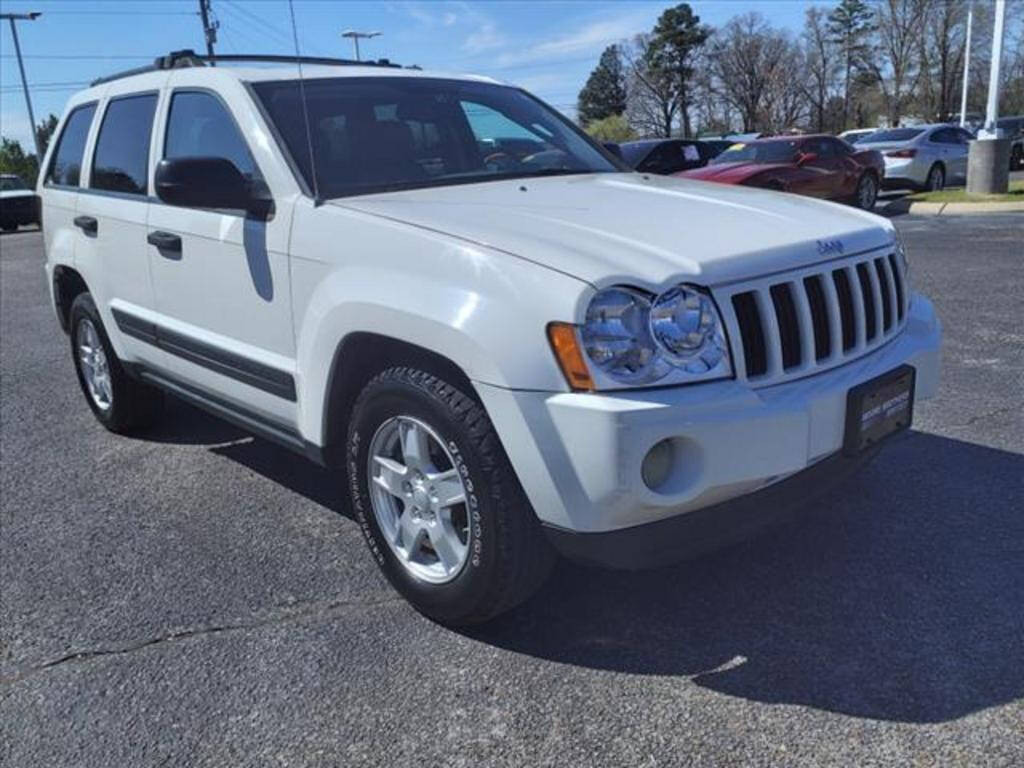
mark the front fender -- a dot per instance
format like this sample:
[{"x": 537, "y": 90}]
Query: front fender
[{"x": 485, "y": 311}]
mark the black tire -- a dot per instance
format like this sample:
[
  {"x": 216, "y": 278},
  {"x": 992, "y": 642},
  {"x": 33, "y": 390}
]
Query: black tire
[
  {"x": 134, "y": 404},
  {"x": 865, "y": 198},
  {"x": 939, "y": 174},
  {"x": 9, "y": 226},
  {"x": 509, "y": 556}
]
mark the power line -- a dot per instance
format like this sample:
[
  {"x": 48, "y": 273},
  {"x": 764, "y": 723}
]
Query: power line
[
  {"x": 75, "y": 57},
  {"x": 257, "y": 23},
  {"x": 119, "y": 13}
]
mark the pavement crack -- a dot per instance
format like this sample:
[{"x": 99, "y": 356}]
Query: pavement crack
[{"x": 89, "y": 654}]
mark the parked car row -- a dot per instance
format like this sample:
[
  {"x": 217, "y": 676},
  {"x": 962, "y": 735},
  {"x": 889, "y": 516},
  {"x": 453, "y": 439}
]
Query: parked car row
[{"x": 851, "y": 167}]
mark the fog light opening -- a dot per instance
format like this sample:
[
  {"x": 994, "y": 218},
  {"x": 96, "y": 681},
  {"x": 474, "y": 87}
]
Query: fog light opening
[{"x": 658, "y": 463}]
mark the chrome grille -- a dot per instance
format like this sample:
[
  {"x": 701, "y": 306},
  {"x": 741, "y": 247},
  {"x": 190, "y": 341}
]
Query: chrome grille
[{"x": 802, "y": 322}]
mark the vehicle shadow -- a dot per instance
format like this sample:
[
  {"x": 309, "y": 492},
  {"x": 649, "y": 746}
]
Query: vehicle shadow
[{"x": 899, "y": 597}]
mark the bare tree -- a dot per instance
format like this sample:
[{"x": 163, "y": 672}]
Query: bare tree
[
  {"x": 748, "y": 55},
  {"x": 942, "y": 57},
  {"x": 821, "y": 61},
  {"x": 652, "y": 100},
  {"x": 785, "y": 100},
  {"x": 896, "y": 66}
]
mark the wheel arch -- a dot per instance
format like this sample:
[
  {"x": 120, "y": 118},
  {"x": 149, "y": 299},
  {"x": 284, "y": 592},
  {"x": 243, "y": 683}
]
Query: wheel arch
[
  {"x": 360, "y": 356},
  {"x": 67, "y": 283}
]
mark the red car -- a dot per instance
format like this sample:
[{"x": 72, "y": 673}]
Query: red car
[{"x": 817, "y": 166}]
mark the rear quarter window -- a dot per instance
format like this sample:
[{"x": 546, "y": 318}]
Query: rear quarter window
[{"x": 66, "y": 166}]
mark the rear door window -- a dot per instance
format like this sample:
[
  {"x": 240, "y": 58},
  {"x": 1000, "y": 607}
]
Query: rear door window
[
  {"x": 66, "y": 165},
  {"x": 121, "y": 160}
]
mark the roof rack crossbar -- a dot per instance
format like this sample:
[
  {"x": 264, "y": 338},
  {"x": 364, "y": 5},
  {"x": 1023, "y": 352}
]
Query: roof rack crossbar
[{"x": 189, "y": 58}]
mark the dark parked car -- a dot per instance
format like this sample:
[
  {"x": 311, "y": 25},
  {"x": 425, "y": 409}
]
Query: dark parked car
[
  {"x": 667, "y": 156},
  {"x": 18, "y": 204},
  {"x": 817, "y": 166},
  {"x": 1013, "y": 129}
]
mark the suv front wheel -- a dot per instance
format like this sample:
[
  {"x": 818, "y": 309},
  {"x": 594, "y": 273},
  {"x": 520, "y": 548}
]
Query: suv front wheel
[
  {"x": 120, "y": 403},
  {"x": 438, "y": 502}
]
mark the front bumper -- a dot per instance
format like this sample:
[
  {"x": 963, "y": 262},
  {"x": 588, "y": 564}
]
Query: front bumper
[
  {"x": 579, "y": 455},
  {"x": 685, "y": 536}
]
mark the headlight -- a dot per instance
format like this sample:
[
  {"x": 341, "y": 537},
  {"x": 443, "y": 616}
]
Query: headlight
[
  {"x": 637, "y": 339},
  {"x": 617, "y": 337},
  {"x": 685, "y": 325}
]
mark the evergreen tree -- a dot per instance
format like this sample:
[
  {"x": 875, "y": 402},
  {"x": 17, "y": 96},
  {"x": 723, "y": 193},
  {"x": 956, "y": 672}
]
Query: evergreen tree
[
  {"x": 850, "y": 25},
  {"x": 605, "y": 91},
  {"x": 677, "y": 37}
]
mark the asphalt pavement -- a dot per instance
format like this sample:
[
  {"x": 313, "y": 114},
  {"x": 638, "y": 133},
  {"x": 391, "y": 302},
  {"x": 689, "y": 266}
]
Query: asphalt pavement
[{"x": 194, "y": 596}]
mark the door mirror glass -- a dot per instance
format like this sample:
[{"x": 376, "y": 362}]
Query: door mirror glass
[{"x": 203, "y": 182}]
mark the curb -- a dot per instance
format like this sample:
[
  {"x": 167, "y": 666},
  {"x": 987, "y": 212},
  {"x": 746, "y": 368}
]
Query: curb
[{"x": 947, "y": 209}]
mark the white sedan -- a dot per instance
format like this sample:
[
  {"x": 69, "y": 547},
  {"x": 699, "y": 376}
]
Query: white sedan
[{"x": 921, "y": 156}]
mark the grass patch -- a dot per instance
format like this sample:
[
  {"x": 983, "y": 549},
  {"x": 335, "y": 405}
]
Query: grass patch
[{"x": 959, "y": 195}]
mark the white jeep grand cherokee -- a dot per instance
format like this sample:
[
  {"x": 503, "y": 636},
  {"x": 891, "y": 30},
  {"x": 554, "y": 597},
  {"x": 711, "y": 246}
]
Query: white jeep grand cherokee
[{"x": 511, "y": 344}]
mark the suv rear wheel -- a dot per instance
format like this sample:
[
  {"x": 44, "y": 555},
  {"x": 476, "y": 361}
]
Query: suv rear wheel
[
  {"x": 438, "y": 502},
  {"x": 121, "y": 403}
]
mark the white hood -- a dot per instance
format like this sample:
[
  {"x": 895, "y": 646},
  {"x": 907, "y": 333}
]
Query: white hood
[{"x": 609, "y": 228}]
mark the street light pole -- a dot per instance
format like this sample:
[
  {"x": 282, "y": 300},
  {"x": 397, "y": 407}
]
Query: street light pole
[
  {"x": 990, "y": 130},
  {"x": 354, "y": 36},
  {"x": 967, "y": 65},
  {"x": 12, "y": 17},
  {"x": 988, "y": 159}
]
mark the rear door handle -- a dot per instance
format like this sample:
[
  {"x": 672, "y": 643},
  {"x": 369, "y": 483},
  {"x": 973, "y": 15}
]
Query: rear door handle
[
  {"x": 87, "y": 224},
  {"x": 165, "y": 241}
]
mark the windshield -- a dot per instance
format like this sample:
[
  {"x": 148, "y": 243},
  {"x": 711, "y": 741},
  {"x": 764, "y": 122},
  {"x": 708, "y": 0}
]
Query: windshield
[
  {"x": 896, "y": 134},
  {"x": 11, "y": 183},
  {"x": 389, "y": 133},
  {"x": 758, "y": 152}
]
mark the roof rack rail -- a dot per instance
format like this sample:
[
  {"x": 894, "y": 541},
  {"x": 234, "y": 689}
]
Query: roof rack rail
[{"x": 189, "y": 58}]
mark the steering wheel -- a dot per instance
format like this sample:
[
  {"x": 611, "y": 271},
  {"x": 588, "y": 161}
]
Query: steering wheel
[{"x": 500, "y": 161}]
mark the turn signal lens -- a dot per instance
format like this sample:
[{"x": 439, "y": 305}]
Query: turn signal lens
[
  {"x": 567, "y": 351},
  {"x": 902, "y": 153}
]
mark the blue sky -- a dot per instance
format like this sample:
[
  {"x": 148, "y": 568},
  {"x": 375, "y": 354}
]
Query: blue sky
[{"x": 547, "y": 46}]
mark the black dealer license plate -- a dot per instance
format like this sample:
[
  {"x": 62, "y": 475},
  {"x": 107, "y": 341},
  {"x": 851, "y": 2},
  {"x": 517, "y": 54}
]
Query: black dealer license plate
[{"x": 878, "y": 408}]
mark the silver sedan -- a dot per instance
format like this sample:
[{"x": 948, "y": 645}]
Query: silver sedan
[{"x": 921, "y": 156}]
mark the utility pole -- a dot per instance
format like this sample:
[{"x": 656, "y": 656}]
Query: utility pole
[
  {"x": 967, "y": 64},
  {"x": 988, "y": 159},
  {"x": 209, "y": 29},
  {"x": 354, "y": 36},
  {"x": 12, "y": 17}
]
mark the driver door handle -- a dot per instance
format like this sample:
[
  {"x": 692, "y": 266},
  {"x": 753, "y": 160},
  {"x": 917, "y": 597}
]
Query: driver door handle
[
  {"x": 165, "y": 241},
  {"x": 87, "y": 224}
]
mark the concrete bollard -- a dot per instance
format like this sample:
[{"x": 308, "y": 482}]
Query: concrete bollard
[{"x": 988, "y": 167}]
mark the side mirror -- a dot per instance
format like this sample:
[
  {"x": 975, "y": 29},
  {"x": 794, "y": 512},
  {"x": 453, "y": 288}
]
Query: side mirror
[
  {"x": 207, "y": 182},
  {"x": 806, "y": 157}
]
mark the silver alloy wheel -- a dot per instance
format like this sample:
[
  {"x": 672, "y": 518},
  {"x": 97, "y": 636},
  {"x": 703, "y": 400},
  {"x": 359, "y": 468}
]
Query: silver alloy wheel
[
  {"x": 867, "y": 191},
  {"x": 93, "y": 364},
  {"x": 419, "y": 499},
  {"x": 935, "y": 179}
]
